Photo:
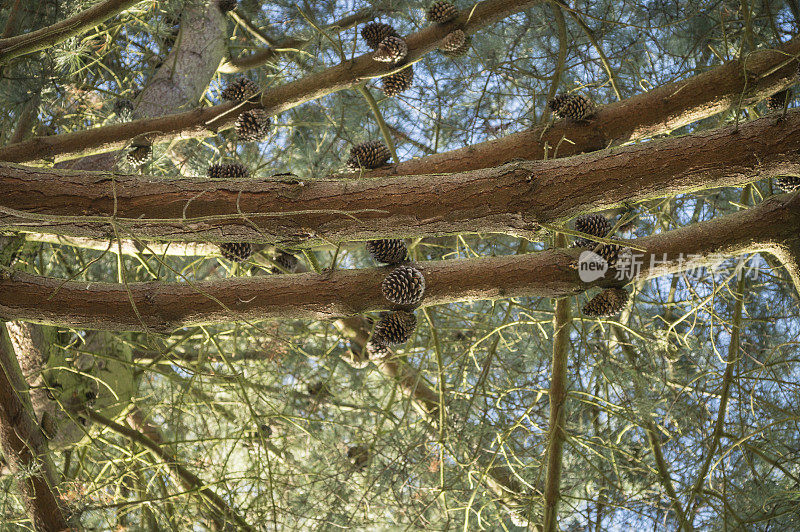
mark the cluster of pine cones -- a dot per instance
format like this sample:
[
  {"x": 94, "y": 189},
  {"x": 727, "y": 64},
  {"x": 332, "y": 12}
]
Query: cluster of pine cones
[
  {"x": 404, "y": 288},
  {"x": 611, "y": 300},
  {"x": 390, "y": 47}
]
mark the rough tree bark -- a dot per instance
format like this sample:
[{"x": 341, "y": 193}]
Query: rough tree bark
[
  {"x": 34, "y": 41},
  {"x": 737, "y": 83},
  {"x": 24, "y": 445},
  {"x": 208, "y": 121},
  {"x": 510, "y": 199},
  {"x": 162, "y": 307}
]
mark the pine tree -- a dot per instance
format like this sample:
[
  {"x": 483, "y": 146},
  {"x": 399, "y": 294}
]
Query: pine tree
[{"x": 293, "y": 386}]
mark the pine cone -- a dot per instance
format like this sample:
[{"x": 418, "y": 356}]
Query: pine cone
[
  {"x": 372, "y": 154},
  {"x": 591, "y": 224},
  {"x": 227, "y": 171},
  {"x": 391, "y": 50},
  {"x": 287, "y": 261},
  {"x": 377, "y": 351},
  {"x": 404, "y": 286},
  {"x": 610, "y": 252},
  {"x": 375, "y": 32},
  {"x": 454, "y": 41},
  {"x": 227, "y": 5},
  {"x": 139, "y": 155},
  {"x": 253, "y": 125},
  {"x": 387, "y": 251},
  {"x": 123, "y": 108},
  {"x": 778, "y": 100},
  {"x": 607, "y": 303},
  {"x": 461, "y": 50},
  {"x": 240, "y": 90},
  {"x": 394, "y": 328},
  {"x": 442, "y": 12},
  {"x": 788, "y": 183},
  {"x": 572, "y": 106},
  {"x": 358, "y": 456},
  {"x": 394, "y": 84},
  {"x": 236, "y": 251}
]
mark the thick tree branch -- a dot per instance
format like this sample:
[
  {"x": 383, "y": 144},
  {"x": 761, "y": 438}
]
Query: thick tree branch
[
  {"x": 510, "y": 199},
  {"x": 24, "y": 446},
  {"x": 208, "y": 121},
  {"x": 737, "y": 83},
  {"x": 12, "y": 47},
  {"x": 166, "y": 306}
]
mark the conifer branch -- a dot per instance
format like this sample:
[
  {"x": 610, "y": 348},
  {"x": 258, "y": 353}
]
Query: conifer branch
[
  {"x": 209, "y": 121},
  {"x": 562, "y": 320},
  {"x": 35, "y": 41},
  {"x": 509, "y": 199},
  {"x": 163, "y": 307},
  {"x": 289, "y": 44},
  {"x": 187, "y": 478}
]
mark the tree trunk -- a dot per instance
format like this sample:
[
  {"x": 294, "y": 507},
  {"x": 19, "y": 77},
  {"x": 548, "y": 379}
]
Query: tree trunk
[{"x": 24, "y": 445}]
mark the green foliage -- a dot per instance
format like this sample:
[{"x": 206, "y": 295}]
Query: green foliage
[{"x": 207, "y": 389}]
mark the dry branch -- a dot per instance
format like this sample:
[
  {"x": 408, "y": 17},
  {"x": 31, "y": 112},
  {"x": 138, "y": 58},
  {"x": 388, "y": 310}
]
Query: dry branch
[
  {"x": 163, "y": 307},
  {"x": 509, "y": 199},
  {"x": 46, "y": 37},
  {"x": 208, "y": 121},
  {"x": 189, "y": 480}
]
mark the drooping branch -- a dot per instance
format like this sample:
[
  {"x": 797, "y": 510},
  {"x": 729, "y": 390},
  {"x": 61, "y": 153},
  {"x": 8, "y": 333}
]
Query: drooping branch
[
  {"x": 189, "y": 480},
  {"x": 24, "y": 446},
  {"x": 509, "y": 199},
  {"x": 167, "y": 306},
  {"x": 499, "y": 479},
  {"x": 731, "y": 360},
  {"x": 208, "y": 121},
  {"x": 12, "y": 47}
]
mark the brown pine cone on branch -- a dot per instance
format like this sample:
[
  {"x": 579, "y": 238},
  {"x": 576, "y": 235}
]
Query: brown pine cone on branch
[
  {"x": 240, "y": 90},
  {"x": 405, "y": 285},
  {"x": 607, "y": 303},
  {"x": 227, "y": 171},
  {"x": 236, "y": 251},
  {"x": 442, "y": 12},
  {"x": 391, "y": 50},
  {"x": 253, "y": 125},
  {"x": 375, "y": 32},
  {"x": 394, "y": 84},
  {"x": 368, "y": 155},
  {"x": 573, "y": 106}
]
